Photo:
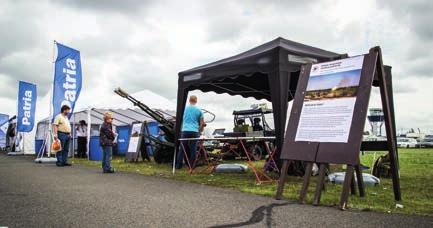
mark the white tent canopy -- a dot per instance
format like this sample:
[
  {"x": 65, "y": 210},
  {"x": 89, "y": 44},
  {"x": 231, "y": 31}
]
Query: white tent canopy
[
  {"x": 121, "y": 117},
  {"x": 124, "y": 113},
  {"x": 148, "y": 97}
]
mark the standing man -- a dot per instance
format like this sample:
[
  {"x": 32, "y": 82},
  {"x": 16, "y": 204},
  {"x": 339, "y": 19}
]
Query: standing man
[
  {"x": 11, "y": 133},
  {"x": 106, "y": 140},
  {"x": 192, "y": 126},
  {"x": 62, "y": 131},
  {"x": 82, "y": 139}
]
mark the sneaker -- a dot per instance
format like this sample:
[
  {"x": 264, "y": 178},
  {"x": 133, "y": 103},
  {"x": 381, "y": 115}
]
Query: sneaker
[
  {"x": 67, "y": 164},
  {"x": 59, "y": 164},
  {"x": 109, "y": 171}
]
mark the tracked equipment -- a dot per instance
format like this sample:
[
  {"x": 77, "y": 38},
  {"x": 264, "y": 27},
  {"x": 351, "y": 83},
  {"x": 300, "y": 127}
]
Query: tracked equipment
[{"x": 163, "y": 149}]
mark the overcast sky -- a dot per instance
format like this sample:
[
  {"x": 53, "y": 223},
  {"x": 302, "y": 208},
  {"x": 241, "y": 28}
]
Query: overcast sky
[{"x": 140, "y": 44}]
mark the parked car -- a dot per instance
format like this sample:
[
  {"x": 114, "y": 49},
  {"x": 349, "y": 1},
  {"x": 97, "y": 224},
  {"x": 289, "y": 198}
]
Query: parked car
[
  {"x": 407, "y": 142},
  {"x": 427, "y": 142}
]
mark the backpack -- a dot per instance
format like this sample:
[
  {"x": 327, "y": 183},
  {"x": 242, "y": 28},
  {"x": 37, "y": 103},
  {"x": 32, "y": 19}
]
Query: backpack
[{"x": 382, "y": 167}]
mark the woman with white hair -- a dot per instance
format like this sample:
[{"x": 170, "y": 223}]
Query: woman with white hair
[{"x": 106, "y": 140}]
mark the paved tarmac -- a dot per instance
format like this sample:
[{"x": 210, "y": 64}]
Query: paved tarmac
[{"x": 42, "y": 195}]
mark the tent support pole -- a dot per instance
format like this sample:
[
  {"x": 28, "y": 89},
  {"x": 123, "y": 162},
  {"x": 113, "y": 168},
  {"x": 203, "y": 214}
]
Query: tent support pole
[
  {"x": 279, "y": 86},
  {"x": 89, "y": 124},
  {"x": 182, "y": 94},
  {"x": 73, "y": 137}
]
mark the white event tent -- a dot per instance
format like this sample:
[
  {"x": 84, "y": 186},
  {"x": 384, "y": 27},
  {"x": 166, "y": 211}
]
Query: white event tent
[{"x": 124, "y": 112}]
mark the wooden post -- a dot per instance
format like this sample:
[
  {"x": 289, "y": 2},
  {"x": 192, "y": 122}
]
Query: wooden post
[
  {"x": 307, "y": 176},
  {"x": 320, "y": 184},
  {"x": 360, "y": 180},
  {"x": 346, "y": 187},
  {"x": 390, "y": 131},
  {"x": 352, "y": 185},
  {"x": 282, "y": 180}
]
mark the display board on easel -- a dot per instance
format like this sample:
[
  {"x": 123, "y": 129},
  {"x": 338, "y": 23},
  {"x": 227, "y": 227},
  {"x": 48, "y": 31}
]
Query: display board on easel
[
  {"x": 135, "y": 140},
  {"x": 327, "y": 120}
]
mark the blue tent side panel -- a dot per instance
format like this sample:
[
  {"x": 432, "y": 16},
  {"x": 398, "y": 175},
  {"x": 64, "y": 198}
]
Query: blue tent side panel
[
  {"x": 154, "y": 131},
  {"x": 123, "y": 139},
  {"x": 38, "y": 145},
  {"x": 95, "y": 150}
]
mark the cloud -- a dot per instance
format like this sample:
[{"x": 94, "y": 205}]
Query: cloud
[
  {"x": 416, "y": 40},
  {"x": 416, "y": 14},
  {"x": 18, "y": 33},
  {"x": 144, "y": 44},
  {"x": 107, "y": 6}
]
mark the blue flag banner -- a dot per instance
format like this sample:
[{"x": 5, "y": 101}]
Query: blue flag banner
[
  {"x": 26, "y": 106},
  {"x": 4, "y": 123},
  {"x": 67, "y": 78}
]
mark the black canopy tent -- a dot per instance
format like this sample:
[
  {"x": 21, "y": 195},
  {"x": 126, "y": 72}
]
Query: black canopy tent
[{"x": 269, "y": 71}]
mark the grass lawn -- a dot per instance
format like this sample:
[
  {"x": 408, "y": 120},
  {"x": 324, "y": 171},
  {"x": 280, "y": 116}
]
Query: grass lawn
[{"x": 416, "y": 171}]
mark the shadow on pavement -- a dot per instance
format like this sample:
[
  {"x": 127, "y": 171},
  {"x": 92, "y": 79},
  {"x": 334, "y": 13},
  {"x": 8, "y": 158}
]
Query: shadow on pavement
[{"x": 257, "y": 216}]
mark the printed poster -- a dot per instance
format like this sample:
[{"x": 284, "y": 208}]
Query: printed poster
[
  {"x": 135, "y": 137},
  {"x": 329, "y": 101}
]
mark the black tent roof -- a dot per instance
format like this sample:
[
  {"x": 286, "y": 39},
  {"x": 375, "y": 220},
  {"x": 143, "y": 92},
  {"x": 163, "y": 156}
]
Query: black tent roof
[
  {"x": 232, "y": 75},
  {"x": 269, "y": 71},
  {"x": 288, "y": 45}
]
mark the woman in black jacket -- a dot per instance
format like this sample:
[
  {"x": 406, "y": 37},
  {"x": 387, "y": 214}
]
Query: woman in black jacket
[{"x": 106, "y": 140}]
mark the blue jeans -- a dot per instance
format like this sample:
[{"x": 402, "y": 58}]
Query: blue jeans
[
  {"x": 190, "y": 147},
  {"x": 106, "y": 157},
  {"x": 62, "y": 156}
]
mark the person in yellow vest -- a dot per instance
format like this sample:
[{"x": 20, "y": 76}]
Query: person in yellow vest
[{"x": 62, "y": 131}]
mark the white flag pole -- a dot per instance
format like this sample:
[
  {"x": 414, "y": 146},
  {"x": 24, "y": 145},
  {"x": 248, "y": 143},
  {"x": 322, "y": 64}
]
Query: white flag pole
[
  {"x": 89, "y": 126},
  {"x": 48, "y": 139},
  {"x": 16, "y": 125},
  {"x": 73, "y": 135},
  {"x": 50, "y": 123}
]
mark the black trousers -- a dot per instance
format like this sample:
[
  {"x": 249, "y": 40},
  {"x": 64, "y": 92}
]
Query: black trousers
[{"x": 82, "y": 147}]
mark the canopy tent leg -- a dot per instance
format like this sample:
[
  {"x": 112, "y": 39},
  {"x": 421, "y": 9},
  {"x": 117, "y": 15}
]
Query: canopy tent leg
[
  {"x": 279, "y": 86},
  {"x": 73, "y": 136},
  {"x": 182, "y": 95},
  {"x": 89, "y": 126}
]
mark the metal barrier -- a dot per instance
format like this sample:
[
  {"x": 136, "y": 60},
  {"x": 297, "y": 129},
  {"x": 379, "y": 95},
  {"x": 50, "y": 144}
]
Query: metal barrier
[{"x": 260, "y": 174}]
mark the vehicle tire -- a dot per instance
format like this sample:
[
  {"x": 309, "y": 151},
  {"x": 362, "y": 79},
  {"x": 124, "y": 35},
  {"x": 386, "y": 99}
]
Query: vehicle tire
[
  {"x": 163, "y": 154},
  {"x": 256, "y": 152},
  {"x": 225, "y": 154}
]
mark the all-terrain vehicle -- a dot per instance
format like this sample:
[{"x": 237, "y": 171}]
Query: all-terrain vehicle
[{"x": 249, "y": 123}]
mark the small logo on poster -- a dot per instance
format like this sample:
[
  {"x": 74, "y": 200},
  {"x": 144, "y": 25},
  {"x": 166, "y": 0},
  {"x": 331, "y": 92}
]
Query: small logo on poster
[{"x": 315, "y": 68}]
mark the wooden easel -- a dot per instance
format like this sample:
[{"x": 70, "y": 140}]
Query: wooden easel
[
  {"x": 373, "y": 73},
  {"x": 135, "y": 156},
  {"x": 147, "y": 143}
]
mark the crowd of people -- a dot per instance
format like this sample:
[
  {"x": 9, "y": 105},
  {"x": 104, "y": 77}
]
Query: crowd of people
[
  {"x": 192, "y": 126},
  {"x": 62, "y": 134}
]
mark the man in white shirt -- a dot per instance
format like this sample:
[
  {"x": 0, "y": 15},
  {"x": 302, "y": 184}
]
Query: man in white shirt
[{"x": 81, "y": 132}]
